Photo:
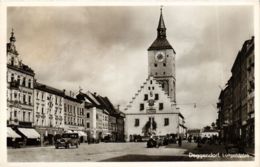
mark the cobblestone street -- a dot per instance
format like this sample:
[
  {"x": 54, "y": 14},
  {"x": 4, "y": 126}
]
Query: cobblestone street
[{"x": 111, "y": 152}]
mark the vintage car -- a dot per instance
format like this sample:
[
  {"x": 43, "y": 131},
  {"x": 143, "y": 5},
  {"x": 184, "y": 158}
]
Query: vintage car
[
  {"x": 155, "y": 141},
  {"x": 67, "y": 140}
]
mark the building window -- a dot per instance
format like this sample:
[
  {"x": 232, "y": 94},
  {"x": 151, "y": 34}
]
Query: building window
[
  {"x": 166, "y": 121},
  {"x": 164, "y": 64},
  {"x": 88, "y": 125},
  {"x": 155, "y": 65},
  {"x": 164, "y": 73},
  {"x": 24, "y": 98},
  {"x": 137, "y": 122},
  {"x": 141, "y": 106},
  {"x": 153, "y": 88},
  {"x": 29, "y": 117},
  {"x": 24, "y": 116},
  {"x": 29, "y": 83},
  {"x": 12, "y": 77},
  {"x": 156, "y": 73},
  {"x": 87, "y": 115},
  {"x": 29, "y": 99},
  {"x": 145, "y": 96},
  {"x": 156, "y": 97},
  {"x": 149, "y": 87},
  {"x": 15, "y": 113},
  {"x": 151, "y": 82},
  {"x": 160, "y": 106},
  {"x": 18, "y": 79},
  {"x": 163, "y": 85},
  {"x": 23, "y": 81}
]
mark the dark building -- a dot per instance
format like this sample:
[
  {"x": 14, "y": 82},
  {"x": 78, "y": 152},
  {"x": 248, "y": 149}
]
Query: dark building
[{"x": 236, "y": 101}]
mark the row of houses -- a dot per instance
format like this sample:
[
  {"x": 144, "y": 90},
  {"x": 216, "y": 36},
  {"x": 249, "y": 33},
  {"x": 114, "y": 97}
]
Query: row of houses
[
  {"x": 236, "y": 100},
  {"x": 36, "y": 111}
]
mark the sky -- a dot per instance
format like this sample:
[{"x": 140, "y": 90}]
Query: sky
[{"x": 104, "y": 49}]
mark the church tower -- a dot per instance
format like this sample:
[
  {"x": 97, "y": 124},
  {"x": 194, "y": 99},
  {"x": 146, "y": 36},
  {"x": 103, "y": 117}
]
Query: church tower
[{"x": 161, "y": 61}]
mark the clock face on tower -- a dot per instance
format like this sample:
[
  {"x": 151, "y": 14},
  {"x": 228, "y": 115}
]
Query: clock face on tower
[{"x": 159, "y": 57}]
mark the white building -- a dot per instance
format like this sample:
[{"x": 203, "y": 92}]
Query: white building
[
  {"x": 20, "y": 84},
  {"x": 48, "y": 110},
  {"x": 153, "y": 110}
]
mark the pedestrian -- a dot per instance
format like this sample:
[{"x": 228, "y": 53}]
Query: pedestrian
[{"x": 180, "y": 141}]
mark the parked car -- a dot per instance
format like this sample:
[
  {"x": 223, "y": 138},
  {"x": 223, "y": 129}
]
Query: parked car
[
  {"x": 155, "y": 141},
  {"x": 67, "y": 140}
]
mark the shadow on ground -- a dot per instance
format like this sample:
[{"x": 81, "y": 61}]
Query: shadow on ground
[{"x": 145, "y": 158}]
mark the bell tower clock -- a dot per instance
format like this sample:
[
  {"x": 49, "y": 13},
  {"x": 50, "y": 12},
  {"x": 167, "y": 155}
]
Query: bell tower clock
[{"x": 161, "y": 61}]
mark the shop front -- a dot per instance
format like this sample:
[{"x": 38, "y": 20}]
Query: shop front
[{"x": 49, "y": 134}]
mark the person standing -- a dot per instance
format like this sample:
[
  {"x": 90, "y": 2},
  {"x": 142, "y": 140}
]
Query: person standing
[{"x": 180, "y": 141}]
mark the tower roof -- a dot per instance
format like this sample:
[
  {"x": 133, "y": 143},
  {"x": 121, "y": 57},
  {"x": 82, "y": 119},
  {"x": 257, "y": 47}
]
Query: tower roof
[
  {"x": 161, "y": 24},
  {"x": 161, "y": 42}
]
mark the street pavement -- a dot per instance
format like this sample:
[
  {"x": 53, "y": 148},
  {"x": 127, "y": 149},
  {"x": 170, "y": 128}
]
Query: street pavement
[{"x": 117, "y": 152}]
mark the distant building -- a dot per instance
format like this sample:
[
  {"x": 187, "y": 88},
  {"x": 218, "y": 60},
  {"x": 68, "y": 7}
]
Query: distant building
[
  {"x": 102, "y": 119},
  {"x": 193, "y": 132},
  {"x": 152, "y": 109},
  {"x": 48, "y": 111},
  {"x": 209, "y": 133},
  {"x": 74, "y": 114}
]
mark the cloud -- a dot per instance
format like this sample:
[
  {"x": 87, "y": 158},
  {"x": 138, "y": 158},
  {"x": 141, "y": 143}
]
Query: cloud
[{"x": 104, "y": 49}]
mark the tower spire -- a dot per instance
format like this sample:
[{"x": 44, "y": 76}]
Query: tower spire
[{"x": 161, "y": 29}]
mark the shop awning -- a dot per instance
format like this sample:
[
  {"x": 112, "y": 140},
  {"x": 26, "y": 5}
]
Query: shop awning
[
  {"x": 11, "y": 133},
  {"x": 81, "y": 133},
  {"x": 30, "y": 133}
]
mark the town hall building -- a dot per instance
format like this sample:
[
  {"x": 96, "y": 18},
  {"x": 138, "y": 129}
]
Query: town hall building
[{"x": 152, "y": 110}]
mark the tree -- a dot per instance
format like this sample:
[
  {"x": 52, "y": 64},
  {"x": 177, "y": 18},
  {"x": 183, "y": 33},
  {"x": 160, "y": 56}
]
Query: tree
[
  {"x": 207, "y": 128},
  {"x": 213, "y": 125}
]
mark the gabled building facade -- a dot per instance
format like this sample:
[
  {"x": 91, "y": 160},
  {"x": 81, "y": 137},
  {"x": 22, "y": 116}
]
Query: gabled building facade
[{"x": 153, "y": 110}]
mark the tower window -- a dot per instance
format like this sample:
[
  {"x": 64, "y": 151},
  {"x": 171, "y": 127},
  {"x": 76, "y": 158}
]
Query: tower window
[
  {"x": 141, "y": 106},
  {"x": 166, "y": 121},
  {"x": 145, "y": 96},
  {"x": 164, "y": 64},
  {"x": 155, "y": 65},
  {"x": 160, "y": 106},
  {"x": 164, "y": 73},
  {"x": 156, "y": 97},
  {"x": 137, "y": 122},
  {"x": 156, "y": 73},
  {"x": 153, "y": 88}
]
